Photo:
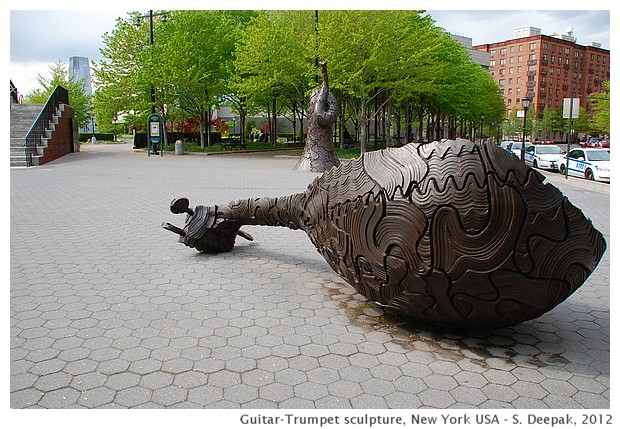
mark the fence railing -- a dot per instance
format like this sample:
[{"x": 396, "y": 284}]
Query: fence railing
[{"x": 59, "y": 96}]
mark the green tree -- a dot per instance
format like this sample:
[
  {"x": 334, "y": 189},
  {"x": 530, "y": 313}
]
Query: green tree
[
  {"x": 274, "y": 60},
  {"x": 119, "y": 79},
  {"x": 78, "y": 99},
  {"x": 552, "y": 122},
  {"x": 191, "y": 59},
  {"x": 601, "y": 109}
]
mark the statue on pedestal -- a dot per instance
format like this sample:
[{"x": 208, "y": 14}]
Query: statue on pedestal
[{"x": 319, "y": 154}]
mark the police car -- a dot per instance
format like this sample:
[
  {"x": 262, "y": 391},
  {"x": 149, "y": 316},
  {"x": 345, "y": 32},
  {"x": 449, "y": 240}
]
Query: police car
[
  {"x": 590, "y": 163},
  {"x": 544, "y": 156},
  {"x": 515, "y": 148}
]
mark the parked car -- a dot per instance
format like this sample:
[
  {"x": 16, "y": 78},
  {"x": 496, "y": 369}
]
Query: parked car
[
  {"x": 515, "y": 148},
  {"x": 589, "y": 163},
  {"x": 592, "y": 142},
  {"x": 506, "y": 144},
  {"x": 544, "y": 156}
]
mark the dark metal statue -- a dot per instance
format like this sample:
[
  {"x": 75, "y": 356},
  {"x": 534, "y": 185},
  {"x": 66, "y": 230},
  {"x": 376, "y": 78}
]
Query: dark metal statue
[
  {"x": 450, "y": 233},
  {"x": 319, "y": 154}
]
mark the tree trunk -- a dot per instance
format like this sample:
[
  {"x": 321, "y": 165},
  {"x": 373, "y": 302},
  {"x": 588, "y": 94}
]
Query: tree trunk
[
  {"x": 363, "y": 127},
  {"x": 241, "y": 124},
  {"x": 203, "y": 126},
  {"x": 387, "y": 121},
  {"x": 273, "y": 124},
  {"x": 420, "y": 122}
]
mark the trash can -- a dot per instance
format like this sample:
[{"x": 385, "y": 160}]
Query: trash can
[{"x": 178, "y": 147}]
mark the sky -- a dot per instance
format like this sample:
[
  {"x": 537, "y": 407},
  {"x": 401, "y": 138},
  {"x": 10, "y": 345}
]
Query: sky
[{"x": 78, "y": 32}]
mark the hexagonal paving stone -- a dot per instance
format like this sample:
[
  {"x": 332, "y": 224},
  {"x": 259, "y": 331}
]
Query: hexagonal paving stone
[
  {"x": 205, "y": 395},
  {"x": 276, "y": 392},
  {"x": 49, "y": 382},
  {"x": 96, "y": 397},
  {"x": 61, "y": 398},
  {"x": 241, "y": 394},
  {"x": 133, "y": 396},
  {"x": 190, "y": 379},
  {"x": 169, "y": 395}
]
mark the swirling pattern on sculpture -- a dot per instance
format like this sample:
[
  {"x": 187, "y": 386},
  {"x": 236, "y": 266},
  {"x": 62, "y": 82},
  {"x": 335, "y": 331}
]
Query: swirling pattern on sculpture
[{"x": 449, "y": 233}]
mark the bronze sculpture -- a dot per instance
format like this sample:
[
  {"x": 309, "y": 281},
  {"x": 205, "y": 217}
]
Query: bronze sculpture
[
  {"x": 450, "y": 233},
  {"x": 319, "y": 154}
]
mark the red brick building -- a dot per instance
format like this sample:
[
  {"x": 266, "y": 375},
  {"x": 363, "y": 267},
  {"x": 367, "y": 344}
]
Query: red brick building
[{"x": 546, "y": 68}]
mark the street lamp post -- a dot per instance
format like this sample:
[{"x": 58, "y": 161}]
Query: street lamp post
[
  {"x": 481, "y": 127},
  {"x": 150, "y": 16},
  {"x": 526, "y": 104}
]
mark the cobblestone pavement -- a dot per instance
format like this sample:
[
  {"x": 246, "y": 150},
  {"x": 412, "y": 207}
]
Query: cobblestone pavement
[{"x": 109, "y": 311}]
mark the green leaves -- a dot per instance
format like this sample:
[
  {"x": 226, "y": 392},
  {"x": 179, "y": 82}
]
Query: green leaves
[{"x": 58, "y": 75}]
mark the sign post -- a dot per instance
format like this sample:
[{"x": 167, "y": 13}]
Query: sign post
[{"x": 570, "y": 110}]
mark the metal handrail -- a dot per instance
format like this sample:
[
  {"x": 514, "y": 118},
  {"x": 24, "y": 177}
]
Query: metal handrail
[{"x": 59, "y": 96}]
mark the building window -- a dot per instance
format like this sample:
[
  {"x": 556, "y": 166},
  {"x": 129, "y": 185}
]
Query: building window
[
  {"x": 502, "y": 82},
  {"x": 519, "y": 69},
  {"x": 559, "y": 60},
  {"x": 502, "y": 51},
  {"x": 502, "y": 72},
  {"x": 552, "y": 59},
  {"x": 512, "y": 60},
  {"x": 520, "y": 48},
  {"x": 510, "y": 81},
  {"x": 519, "y": 59},
  {"x": 512, "y": 49},
  {"x": 509, "y": 90},
  {"x": 510, "y": 70},
  {"x": 492, "y": 63},
  {"x": 492, "y": 51},
  {"x": 531, "y": 68},
  {"x": 532, "y": 46},
  {"x": 545, "y": 45},
  {"x": 502, "y": 61},
  {"x": 518, "y": 79},
  {"x": 532, "y": 57},
  {"x": 518, "y": 90}
]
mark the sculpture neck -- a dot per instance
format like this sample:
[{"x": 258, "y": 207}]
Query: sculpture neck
[{"x": 280, "y": 211}]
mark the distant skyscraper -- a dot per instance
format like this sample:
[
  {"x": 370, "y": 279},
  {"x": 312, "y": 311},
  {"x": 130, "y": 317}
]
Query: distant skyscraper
[{"x": 79, "y": 69}]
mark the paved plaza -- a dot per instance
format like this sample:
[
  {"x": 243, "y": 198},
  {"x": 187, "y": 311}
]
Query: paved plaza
[{"x": 108, "y": 310}]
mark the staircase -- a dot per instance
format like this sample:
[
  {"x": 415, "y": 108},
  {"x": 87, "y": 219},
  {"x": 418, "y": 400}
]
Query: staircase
[{"x": 22, "y": 118}]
